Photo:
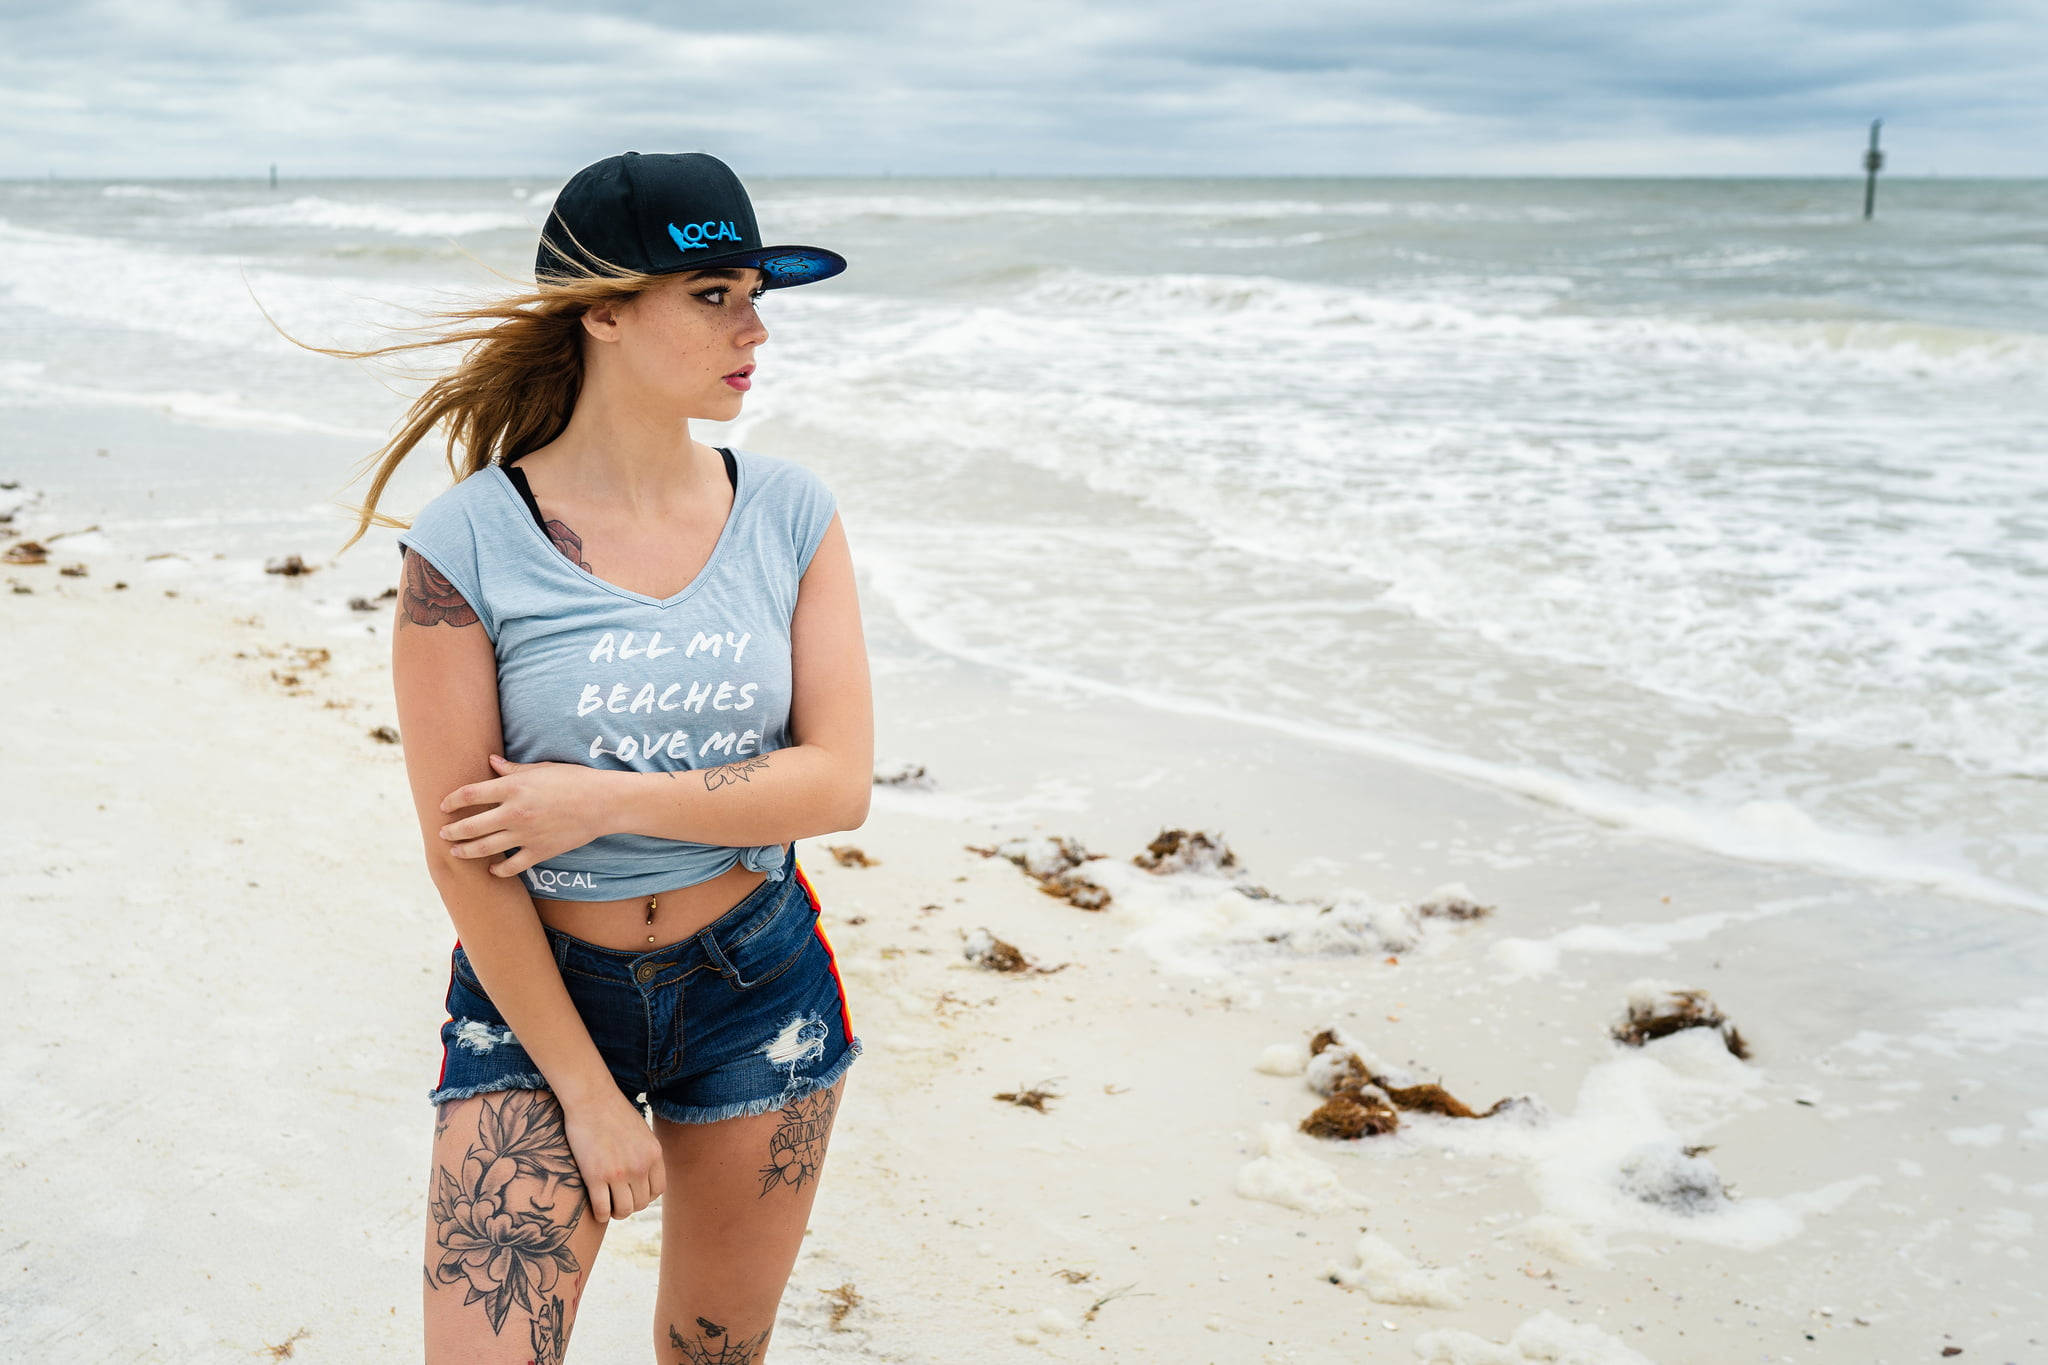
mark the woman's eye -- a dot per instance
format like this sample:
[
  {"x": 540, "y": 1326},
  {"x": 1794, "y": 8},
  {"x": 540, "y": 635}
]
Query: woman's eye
[{"x": 721, "y": 291}]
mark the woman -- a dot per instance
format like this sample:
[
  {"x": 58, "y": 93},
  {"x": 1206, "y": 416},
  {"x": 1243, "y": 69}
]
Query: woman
[{"x": 630, "y": 672}]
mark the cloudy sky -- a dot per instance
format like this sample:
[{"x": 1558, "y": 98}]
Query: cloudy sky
[{"x": 1031, "y": 87}]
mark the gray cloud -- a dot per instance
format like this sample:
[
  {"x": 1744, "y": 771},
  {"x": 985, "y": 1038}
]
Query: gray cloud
[{"x": 179, "y": 87}]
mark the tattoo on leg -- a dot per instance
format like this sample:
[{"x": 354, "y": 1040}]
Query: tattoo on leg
[
  {"x": 429, "y": 598},
  {"x": 797, "y": 1148},
  {"x": 546, "y": 1334},
  {"x": 567, "y": 541},
  {"x": 714, "y": 1346},
  {"x": 727, "y": 773},
  {"x": 498, "y": 1254}
]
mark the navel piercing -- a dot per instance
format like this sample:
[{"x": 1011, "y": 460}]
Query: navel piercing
[{"x": 650, "y": 915}]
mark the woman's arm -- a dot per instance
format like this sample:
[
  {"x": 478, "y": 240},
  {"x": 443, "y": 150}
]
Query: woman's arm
[
  {"x": 445, "y": 675},
  {"x": 821, "y": 783}
]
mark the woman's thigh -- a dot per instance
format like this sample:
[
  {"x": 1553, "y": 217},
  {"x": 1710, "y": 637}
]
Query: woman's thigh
[
  {"x": 510, "y": 1236},
  {"x": 739, "y": 1194}
]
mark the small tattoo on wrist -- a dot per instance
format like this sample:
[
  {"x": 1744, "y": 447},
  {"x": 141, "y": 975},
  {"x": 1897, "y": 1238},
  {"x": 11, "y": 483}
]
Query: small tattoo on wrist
[{"x": 728, "y": 773}]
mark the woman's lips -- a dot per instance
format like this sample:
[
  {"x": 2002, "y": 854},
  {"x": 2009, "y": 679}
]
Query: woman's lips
[{"x": 740, "y": 382}]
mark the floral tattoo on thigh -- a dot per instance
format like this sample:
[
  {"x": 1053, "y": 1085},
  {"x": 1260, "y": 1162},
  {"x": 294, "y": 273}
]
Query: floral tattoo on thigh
[{"x": 499, "y": 1254}]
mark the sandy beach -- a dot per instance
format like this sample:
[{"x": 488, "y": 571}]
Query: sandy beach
[{"x": 228, "y": 966}]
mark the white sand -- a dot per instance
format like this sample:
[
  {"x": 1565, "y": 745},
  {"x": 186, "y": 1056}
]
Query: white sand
[{"x": 225, "y": 972}]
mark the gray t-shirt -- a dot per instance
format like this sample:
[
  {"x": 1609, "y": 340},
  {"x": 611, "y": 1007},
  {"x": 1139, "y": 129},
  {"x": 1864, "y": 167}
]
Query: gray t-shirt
[{"x": 593, "y": 673}]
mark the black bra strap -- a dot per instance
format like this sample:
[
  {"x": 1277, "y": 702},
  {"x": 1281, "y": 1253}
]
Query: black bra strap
[{"x": 518, "y": 477}]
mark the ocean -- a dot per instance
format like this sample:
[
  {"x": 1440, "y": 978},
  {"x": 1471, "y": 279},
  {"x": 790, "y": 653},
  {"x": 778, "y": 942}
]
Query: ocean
[{"x": 1704, "y": 508}]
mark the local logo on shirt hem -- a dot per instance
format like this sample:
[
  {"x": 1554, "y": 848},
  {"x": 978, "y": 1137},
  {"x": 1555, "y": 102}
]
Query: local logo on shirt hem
[{"x": 547, "y": 879}]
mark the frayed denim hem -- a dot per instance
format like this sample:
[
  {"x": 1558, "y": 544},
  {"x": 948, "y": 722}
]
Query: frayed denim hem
[
  {"x": 743, "y": 1109},
  {"x": 528, "y": 1080}
]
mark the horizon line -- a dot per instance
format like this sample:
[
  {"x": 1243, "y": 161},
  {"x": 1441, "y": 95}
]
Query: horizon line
[{"x": 263, "y": 177}]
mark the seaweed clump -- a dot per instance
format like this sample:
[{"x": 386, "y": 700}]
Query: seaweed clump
[
  {"x": 1360, "y": 1101},
  {"x": 1057, "y": 864},
  {"x": 990, "y": 953},
  {"x": 1656, "y": 1009},
  {"x": 1180, "y": 850}
]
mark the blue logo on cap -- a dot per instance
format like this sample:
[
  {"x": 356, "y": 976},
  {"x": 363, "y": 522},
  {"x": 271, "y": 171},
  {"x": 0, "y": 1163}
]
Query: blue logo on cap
[
  {"x": 791, "y": 266},
  {"x": 697, "y": 236}
]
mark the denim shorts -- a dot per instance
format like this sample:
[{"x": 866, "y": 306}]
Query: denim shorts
[{"x": 744, "y": 1016}]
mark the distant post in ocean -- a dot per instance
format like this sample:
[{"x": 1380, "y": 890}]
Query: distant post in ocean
[
  {"x": 1872, "y": 160},
  {"x": 273, "y": 178}
]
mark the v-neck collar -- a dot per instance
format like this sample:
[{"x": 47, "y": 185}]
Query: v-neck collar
[{"x": 744, "y": 486}]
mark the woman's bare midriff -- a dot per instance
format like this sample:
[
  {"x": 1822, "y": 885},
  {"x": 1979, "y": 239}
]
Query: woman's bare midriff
[{"x": 678, "y": 914}]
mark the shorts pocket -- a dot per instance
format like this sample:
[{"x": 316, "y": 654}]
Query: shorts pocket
[
  {"x": 464, "y": 975},
  {"x": 770, "y": 946}
]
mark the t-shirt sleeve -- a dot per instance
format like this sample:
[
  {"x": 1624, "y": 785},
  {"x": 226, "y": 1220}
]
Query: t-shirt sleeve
[
  {"x": 443, "y": 536},
  {"x": 812, "y": 509}
]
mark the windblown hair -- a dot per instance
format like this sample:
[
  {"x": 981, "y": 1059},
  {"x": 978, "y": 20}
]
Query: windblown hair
[{"x": 515, "y": 386}]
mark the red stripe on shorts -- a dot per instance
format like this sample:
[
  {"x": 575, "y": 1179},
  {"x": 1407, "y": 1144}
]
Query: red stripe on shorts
[
  {"x": 832, "y": 958},
  {"x": 443, "y": 1078}
]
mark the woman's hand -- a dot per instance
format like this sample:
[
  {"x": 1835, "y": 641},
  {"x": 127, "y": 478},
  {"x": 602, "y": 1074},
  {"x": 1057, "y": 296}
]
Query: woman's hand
[
  {"x": 541, "y": 809},
  {"x": 617, "y": 1155}
]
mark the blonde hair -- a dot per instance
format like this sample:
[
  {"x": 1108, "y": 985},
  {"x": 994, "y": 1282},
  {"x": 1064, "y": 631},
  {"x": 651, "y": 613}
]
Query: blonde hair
[{"x": 514, "y": 388}]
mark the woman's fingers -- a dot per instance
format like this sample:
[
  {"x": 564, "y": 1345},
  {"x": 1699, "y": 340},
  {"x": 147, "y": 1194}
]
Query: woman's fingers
[
  {"x": 485, "y": 847},
  {"x": 485, "y": 793},
  {"x": 475, "y": 826},
  {"x": 518, "y": 863},
  {"x": 491, "y": 845}
]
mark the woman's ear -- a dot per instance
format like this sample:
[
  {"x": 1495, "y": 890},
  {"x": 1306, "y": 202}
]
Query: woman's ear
[{"x": 601, "y": 320}]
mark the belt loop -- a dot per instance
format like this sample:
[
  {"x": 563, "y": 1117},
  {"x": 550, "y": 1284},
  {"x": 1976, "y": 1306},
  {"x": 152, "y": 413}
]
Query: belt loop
[
  {"x": 715, "y": 953},
  {"x": 561, "y": 947}
]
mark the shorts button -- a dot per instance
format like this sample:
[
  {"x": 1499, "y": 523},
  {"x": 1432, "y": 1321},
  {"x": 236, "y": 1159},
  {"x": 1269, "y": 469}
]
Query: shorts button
[{"x": 645, "y": 971}]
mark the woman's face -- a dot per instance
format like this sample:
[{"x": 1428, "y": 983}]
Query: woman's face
[{"x": 680, "y": 339}]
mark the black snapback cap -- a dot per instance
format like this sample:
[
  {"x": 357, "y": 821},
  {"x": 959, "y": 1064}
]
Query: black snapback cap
[{"x": 667, "y": 212}]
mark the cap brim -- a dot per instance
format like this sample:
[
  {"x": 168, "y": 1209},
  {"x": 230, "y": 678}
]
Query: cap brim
[{"x": 782, "y": 265}]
